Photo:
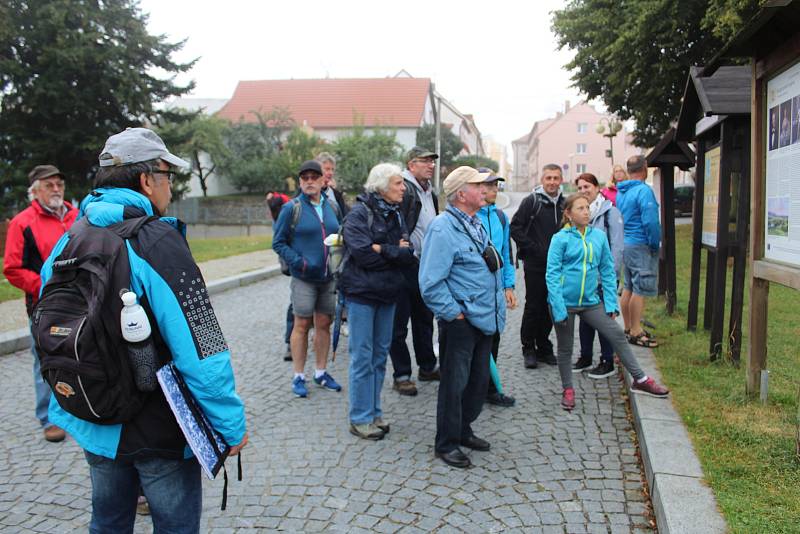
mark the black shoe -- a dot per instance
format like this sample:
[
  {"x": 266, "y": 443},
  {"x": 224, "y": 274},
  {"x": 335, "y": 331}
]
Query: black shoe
[
  {"x": 548, "y": 358},
  {"x": 602, "y": 370},
  {"x": 476, "y": 444},
  {"x": 498, "y": 399},
  {"x": 288, "y": 356},
  {"x": 530, "y": 361},
  {"x": 582, "y": 365},
  {"x": 429, "y": 376},
  {"x": 456, "y": 458}
]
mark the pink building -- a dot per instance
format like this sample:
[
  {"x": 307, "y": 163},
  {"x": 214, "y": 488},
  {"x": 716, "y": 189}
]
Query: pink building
[{"x": 570, "y": 140}]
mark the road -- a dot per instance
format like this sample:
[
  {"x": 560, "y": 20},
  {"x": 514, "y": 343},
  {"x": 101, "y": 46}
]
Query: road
[{"x": 548, "y": 470}]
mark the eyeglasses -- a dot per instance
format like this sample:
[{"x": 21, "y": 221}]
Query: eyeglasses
[
  {"x": 426, "y": 161},
  {"x": 170, "y": 174},
  {"x": 310, "y": 177},
  {"x": 53, "y": 184}
]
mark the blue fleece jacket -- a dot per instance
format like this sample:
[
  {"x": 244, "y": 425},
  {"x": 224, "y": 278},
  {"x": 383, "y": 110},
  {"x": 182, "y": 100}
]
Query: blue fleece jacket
[
  {"x": 639, "y": 209},
  {"x": 163, "y": 254},
  {"x": 499, "y": 236},
  {"x": 454, "y": 278},
  {"x": 303, "y": 250},
  {"x": 576, "y": 266}
]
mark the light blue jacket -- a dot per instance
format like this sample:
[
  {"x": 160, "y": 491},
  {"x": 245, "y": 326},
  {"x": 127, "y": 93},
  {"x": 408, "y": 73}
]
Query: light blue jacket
[
  {"x": 454, "y": 278},
  {"x": 499, "y": 236},
  {"x": 639, "y": 209},
  {"x": 577, "y": 265},
  {"x": 209, "y": 376}
]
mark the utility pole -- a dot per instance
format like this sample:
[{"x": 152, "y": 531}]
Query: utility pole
[
  {"x": 436, "y": 107},
  {"x": 613, "y": 126}
]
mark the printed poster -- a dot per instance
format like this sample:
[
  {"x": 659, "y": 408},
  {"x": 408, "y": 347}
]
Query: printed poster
[
  {"x": 711, "y": 197},
  {"x": 782, "y": 210}
]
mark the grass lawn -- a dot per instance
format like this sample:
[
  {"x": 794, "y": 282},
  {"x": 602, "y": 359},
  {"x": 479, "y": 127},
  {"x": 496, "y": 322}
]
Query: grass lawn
[
  {"x": 747, "y": 449},
  {"x": 202, "y": 250}
]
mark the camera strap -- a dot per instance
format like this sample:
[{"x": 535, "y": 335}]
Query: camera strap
[{"x": 480, "y": 246}]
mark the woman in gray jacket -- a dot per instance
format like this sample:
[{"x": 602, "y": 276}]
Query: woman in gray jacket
[{"x": 603, "y": 216}]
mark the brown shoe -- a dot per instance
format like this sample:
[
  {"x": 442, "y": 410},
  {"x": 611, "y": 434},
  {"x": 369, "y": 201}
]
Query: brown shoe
[
  {"x": 405, "y": 387},
  {"x": 53, "y": 434},
  {"x": 429, "y": 376}
]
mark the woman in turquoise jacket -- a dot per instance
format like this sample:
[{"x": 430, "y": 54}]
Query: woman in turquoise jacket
[{"x": 579, "y": 262}]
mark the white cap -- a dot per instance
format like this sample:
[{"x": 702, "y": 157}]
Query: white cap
[{"x": 128, "y": 298}]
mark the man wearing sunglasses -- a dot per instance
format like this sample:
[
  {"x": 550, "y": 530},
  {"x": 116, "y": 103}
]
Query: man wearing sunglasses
[
  {"x": 31, "y": 236},
  {"x": 298, "y": 238},
  {"x": 148, "y": 451}
]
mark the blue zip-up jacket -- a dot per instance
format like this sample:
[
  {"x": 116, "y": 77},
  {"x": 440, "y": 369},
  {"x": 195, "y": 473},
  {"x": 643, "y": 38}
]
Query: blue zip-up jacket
[
  {"x": 454, "y": 278},
  {"x": 637, "y": 203},
  {"x": 576, "y": 266},
  {"x": 166, "y": 277},
  {"x": 499, "y": 235},
  {"x": 303, "y": 250}
]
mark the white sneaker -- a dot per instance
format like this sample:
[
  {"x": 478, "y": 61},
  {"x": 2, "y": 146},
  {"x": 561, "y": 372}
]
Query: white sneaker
[{"x": 345, "y": 330}]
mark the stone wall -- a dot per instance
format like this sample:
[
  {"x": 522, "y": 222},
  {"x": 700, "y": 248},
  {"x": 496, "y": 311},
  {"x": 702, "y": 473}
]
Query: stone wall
[{"x": 214, "y": 211}]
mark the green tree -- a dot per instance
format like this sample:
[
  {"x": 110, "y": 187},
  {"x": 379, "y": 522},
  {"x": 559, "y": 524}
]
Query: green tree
[
  {"x": 476, "y": 161},
  {"x": 359, "y": 150},
  {"x": 635, "y": 56},
  {"x": 73, "y": 72},
  {"x": 451, "y": 145},
  {"x": 193, "y": 135}
]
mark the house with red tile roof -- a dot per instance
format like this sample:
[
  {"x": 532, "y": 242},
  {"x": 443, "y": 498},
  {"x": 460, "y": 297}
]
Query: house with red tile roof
[{"x": 331, "y": 106}]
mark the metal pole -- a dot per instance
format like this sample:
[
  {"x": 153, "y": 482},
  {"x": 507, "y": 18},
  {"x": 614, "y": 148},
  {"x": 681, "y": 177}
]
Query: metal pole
[
  {"x": 764, "y": 385},
  {"x": 437, "y": 177},
  {"x": 611, "y": 148}
]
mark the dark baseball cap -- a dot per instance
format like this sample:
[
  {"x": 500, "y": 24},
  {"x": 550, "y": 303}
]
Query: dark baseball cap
[
  {"x": 310, "y": 165},
  {"x": 136, "y": 145},
  {"x": 41, "y": 172},
  {"x": 419, "y": 152},
  {"x": 492, "y": 176}
]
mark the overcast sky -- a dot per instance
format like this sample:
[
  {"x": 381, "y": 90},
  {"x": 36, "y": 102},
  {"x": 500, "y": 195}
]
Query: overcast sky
[{"x": 496, "y": 60}]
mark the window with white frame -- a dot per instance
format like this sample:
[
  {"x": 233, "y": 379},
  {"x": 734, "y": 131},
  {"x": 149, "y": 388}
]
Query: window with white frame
[
  {"x": 581, "y": 148},
  {"x": 580, "y": 168},
  {"x": 582, "y": 127}
]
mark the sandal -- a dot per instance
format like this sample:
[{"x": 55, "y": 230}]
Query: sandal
[{"x": 642, "y": 340}]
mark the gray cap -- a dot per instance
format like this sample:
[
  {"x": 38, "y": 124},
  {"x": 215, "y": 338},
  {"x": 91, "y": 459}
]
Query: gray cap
[
  {"x": 136, "y": 145},
  {"x": 492, "y": 176}
]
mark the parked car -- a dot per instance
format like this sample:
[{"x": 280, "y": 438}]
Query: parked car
[{"x": 684, "y": 197}]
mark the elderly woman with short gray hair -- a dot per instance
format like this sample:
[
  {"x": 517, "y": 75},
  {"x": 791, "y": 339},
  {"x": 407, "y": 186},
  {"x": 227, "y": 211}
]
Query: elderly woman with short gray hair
[{"x": 376, "y": 242}]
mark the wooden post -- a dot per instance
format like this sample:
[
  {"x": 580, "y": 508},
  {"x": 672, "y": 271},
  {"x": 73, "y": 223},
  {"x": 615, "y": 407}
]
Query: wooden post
[
  {"x": 740, "y": 247},
  {"x": 720, "y": 266},
  {"x": 708, "y": 306},
  {"x": 697, "y": 233},
  {"x": 668, "y": 246},
  {"x": 759, "y": 288}
]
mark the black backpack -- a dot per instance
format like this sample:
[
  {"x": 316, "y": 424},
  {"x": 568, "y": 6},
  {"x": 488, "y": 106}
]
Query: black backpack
[
  {"x": 297, "y": 210},
  {"x": 75, "y": 325}
]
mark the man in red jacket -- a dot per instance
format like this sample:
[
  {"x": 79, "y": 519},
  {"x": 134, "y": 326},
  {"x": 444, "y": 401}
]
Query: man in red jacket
[{"x": 32, "y": 234}]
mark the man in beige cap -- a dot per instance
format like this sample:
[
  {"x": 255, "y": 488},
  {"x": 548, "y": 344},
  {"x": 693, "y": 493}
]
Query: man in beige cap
[
  {"x": 460, "y": 278},
  {"x": 32, "y": 234}
]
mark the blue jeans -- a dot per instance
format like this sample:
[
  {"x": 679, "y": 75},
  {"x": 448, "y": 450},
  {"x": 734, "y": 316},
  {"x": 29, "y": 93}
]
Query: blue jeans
[
  {"x": 370, "y": 338},
  {"x": 41, "y": 388},
  {"x": 173, "y": 489}
]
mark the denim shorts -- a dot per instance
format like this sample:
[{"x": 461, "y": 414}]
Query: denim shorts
[
  {"x": 641, "y": 270},
  {"x": 309, "y": 298}
]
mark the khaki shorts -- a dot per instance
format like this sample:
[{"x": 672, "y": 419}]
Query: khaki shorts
[{"x": 309, "y": 298}]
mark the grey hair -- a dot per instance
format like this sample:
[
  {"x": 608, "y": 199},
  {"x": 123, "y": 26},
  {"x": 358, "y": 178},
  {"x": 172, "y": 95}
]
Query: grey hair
[
  {"x": 32, "y": 190},
  {"x": 325, "y": 157},
  {"x": 379, "y": 176},
  {"x": 636, "y": 163},
  {"x": 552, "y": 167}
]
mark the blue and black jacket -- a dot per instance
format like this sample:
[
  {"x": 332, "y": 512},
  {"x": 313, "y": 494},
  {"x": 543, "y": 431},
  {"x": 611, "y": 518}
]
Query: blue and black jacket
[
  {"x": 302, "y": 247},
  {"x": 169, "y": 286}
]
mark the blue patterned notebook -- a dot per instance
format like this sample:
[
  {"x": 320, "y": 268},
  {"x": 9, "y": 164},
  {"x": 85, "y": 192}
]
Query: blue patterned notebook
[{"x": 206, "y": 443}]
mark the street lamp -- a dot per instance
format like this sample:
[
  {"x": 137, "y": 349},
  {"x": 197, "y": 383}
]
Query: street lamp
[{"x": 610, "y": 129}]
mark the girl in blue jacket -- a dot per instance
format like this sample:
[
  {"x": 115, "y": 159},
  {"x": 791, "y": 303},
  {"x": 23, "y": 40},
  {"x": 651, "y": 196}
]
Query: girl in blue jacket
[{"x": 579, "y": 262}]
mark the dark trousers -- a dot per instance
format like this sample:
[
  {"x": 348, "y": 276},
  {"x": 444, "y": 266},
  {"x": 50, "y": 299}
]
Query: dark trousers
[
  {"x": 536, "y": 321},
  {"x": 289, "y": 324},
  {"x": 495, "y": 347},
  {"x": 411, "y": 305},
  {"x": 586, "y": 334},
  {"x": 464, "y": 367}
]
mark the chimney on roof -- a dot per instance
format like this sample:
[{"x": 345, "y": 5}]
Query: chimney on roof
[{"x": 566, "y": 106}]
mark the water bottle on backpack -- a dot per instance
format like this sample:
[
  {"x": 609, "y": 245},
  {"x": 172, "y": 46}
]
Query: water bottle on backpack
[{"x": 141, "y": 350}]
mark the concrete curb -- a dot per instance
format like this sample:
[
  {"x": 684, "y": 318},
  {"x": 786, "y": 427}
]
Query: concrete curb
[
  {"x": 682, "y": 502},
  {"x": 16, "y": 340}
]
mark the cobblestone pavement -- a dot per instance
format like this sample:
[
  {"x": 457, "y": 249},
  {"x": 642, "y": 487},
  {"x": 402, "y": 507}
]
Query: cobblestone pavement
[{"x": 548, "y": 471}]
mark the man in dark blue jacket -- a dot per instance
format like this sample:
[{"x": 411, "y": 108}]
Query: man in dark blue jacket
[{"x": 299, "y": 240}]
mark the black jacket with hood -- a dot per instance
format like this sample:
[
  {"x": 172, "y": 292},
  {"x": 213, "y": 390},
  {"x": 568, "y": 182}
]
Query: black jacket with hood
[{"x": 536, "y": 221}]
